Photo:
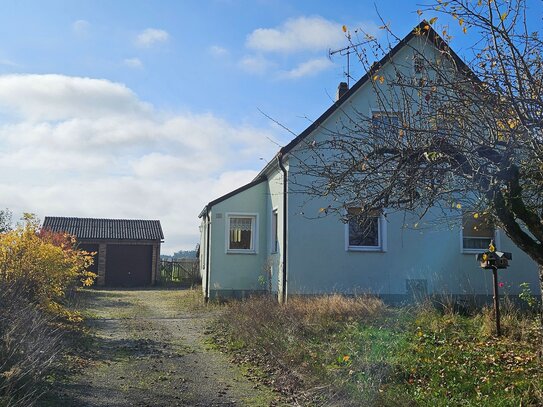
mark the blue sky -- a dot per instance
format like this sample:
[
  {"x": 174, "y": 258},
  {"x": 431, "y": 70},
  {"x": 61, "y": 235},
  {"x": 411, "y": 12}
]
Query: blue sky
[{"x": 151, "y": 109}]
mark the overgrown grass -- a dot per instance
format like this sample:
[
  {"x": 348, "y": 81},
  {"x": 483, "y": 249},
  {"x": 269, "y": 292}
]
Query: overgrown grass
[
  {"x": 30, "y": 344},
  {"x": 356, "y": 351}
]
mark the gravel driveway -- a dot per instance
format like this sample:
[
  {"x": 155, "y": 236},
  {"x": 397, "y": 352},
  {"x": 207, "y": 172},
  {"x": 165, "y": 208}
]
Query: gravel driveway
[{"x": 149, "y": 349}]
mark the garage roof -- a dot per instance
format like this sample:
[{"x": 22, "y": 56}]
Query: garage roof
[{"x": 90, "y": 228}]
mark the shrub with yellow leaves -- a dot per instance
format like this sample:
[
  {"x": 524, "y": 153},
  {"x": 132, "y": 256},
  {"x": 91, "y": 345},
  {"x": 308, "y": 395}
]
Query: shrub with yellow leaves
[{"x": 44, "y": 264}]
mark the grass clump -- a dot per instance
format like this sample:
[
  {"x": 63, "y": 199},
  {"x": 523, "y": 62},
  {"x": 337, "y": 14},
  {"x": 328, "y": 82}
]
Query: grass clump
[
  {"x": 305, "y": 343},
  {"x": 334, "y": 350}
]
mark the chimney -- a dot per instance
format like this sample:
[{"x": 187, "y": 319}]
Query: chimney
[{"x": 341, "y": 90}]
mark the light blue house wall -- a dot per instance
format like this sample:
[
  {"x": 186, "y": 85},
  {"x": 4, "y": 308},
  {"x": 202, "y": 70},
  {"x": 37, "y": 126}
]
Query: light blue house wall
[
  {"x": 320, "y": 263},
  {"x": 234, "y": 274}
]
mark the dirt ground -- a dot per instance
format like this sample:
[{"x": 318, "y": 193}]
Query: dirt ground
[{"x": 148, "y": 349}]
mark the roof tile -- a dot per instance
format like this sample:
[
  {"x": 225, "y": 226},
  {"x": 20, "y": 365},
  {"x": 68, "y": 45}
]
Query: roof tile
[{"x": 91, "y": 228}]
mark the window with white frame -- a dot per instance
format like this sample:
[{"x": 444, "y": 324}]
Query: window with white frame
[
  {"x": 387, "y": 124},
  {"x": 274, "y": 230},
  {"x": 364, "y": 231},
  {"x": 477, "y": 232},
  {"x": 241, "y": 233}
]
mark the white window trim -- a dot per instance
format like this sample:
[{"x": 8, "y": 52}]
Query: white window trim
[
  {"x": 382, "y": 234},
  {"x": 274, "y": 250},
  {"x": 497, "y": 242},
  {"x": 254, "y": 233}
]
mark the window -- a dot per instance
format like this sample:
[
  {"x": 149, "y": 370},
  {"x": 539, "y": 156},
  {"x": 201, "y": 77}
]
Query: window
[
  {"x": 386, "y": 124},
  {"x": 418, "y": 63},
  {"x": 477, "y": 232},
  {"x": 241, "y": 233},
  {"x": 274, "y": 236},
  {"x": 365, "y": 232}
]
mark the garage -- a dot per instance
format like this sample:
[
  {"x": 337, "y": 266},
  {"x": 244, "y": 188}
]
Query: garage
[{"x": 127, "y": 251}]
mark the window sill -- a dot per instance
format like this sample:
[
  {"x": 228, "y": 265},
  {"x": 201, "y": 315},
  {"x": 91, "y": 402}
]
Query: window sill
[
  {"x": 365, "y": 249},
  {"x": 240, "y": 251},
  {"x": 473, "y": 251}
]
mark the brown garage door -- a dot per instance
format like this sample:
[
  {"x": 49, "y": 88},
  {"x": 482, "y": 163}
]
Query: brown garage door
[{"x": 128, "y": 265}]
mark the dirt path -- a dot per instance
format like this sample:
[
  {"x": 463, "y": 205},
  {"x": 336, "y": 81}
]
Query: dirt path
[{"x": 149, "y": 350}]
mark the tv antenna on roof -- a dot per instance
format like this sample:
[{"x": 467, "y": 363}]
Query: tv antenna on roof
[{"x": 346, "y": 52}]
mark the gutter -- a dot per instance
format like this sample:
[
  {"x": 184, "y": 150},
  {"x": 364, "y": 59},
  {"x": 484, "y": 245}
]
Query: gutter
[
  {"x": 208, "y": 227},
  {"x": 283, "y": 298}
]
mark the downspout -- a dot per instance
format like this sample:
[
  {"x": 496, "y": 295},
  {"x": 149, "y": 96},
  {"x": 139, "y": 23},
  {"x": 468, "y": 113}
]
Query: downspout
[
  {"x": 285, "y": 217},
  {"x": 208, "y": 228}
]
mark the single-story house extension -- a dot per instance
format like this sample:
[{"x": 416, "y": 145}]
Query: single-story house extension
[
  {"x": 258, "y": 238},
  {"x": 127, "y": 250}
]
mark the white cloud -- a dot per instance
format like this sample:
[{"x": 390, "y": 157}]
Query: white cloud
[
  {"x": 68, "y": 155},
  {"x": 151, "y": 36},
  {"x": 298, "y": 34},
  {"x": 218, "y": 51},
  {"x": 255, "y": 64},
  {"x": 81, "y": 27},
  {"x": 308, "y": 68},
  {"x": 133, "y": 63},
  {"x": 57, "y": 97},
  {"x": 306, "y": 37}
]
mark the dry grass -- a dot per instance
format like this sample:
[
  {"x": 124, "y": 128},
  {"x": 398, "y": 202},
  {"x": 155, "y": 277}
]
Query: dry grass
[
  {"x": 296, "y": 342},
  {"x": 333, "y": 308},
  {"x": 30, "y": 346},
  {"x": 341, "y": 351}
]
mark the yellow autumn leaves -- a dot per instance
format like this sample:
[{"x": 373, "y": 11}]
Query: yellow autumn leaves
[
  {"x": 379, "y": 78},
  {"x": 43, "y": 265}
]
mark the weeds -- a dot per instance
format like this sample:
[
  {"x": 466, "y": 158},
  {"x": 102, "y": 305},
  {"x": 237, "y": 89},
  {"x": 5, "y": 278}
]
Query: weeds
[
  {"x": 29, "y": 346},
  {"x": 334, "y": 350}
]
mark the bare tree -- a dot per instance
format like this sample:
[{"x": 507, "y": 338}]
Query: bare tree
[{"x": 448, "y": 134}]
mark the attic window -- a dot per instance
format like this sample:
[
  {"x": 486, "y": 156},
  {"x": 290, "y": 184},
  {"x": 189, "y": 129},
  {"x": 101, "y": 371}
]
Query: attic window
[
  {"x": 418, "y": 64},
  {"x": 386, "y": 124}
]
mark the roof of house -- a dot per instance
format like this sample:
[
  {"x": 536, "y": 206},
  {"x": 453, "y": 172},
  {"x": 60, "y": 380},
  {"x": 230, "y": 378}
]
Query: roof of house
[
  {"x": 90, "y": 228},
  {"x": 424, "y": 28},
  {"x": 256, "y": 181}
]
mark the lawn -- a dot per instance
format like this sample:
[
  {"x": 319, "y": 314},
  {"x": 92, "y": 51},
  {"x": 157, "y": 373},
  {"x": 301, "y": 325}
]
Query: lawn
[{"x": 357, "y": 351}]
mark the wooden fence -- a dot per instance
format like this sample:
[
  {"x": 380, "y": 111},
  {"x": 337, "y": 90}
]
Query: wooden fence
[{"x": 185, "y": 272}]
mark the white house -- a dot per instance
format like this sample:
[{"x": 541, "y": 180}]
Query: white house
[{"x": 257, "y": 238}]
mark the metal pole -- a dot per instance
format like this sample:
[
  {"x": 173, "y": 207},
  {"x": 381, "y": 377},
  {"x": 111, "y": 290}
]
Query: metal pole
[
  {"x": 496, "y": 301},
  {"x": 348, "y": 68}
]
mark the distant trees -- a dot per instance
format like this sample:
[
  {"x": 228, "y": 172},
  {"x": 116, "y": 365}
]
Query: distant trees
[{"x": 181, "y": 254}]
